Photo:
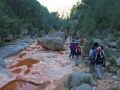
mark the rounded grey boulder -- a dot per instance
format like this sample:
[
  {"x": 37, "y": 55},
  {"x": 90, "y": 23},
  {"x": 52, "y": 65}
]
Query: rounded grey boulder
[
  {"x": 118, "y": 62},
  {"x": 112, "y": 44},
  {"x": 83, "y": 87},
  {"x": 78, "y": 78},
  {"x": 51, "y": 43}
]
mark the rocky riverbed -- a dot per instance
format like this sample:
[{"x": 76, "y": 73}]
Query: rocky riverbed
[
  {"x": 36, "y": 68},
  {"x": 37, "y": 65}
]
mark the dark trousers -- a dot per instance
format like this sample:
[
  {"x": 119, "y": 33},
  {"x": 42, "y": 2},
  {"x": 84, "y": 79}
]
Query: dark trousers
[{"x": 71, "y": 54}]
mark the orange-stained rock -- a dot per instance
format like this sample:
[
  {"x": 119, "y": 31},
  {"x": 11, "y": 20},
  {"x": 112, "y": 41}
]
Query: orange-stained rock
[
  {"x": 27, "y": 71},
  {"x": 25, "y": 85},
  {"x": 28, "y": 62},
  {"x": 22, "y": 54},
  {"x": 17, "y": 70}
]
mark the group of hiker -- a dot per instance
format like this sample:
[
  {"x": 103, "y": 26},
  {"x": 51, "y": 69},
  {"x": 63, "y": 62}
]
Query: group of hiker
[
  {"x": 75, "y": 49},
  {"x": 96, "y": 55}
]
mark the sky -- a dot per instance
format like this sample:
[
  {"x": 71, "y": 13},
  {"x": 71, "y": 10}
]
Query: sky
[{"x": 54, "y": 5}]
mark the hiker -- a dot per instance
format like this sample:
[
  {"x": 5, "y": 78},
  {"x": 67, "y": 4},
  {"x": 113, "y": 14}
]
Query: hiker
[
  {"x": 104, "y": 61},
  {"x": 96, "y": 45},
  {"x": 99, "y": 60},
  {"x": 77, "y": 54},
  {"x": 68, "y": 40},
  {"x": 33, "y": 34},
  {"x": 92, "y": 55},
  {"x": 82, "y": 41},
  {"x": 76, "y": 39},
  {"x": 72, "y": 50}
]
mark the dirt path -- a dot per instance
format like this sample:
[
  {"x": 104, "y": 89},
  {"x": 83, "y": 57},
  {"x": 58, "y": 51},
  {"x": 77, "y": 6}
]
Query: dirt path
[{"x": 105, "y": 84}]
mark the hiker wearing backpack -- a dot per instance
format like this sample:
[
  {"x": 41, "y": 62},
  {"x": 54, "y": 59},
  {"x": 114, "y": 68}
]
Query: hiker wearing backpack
[
  {"x": 92, "y": 55},
  {"x": 77, "y": 54},
  {"x": 72, "y": 50},
  {"x": 104, "y": 62},
  {"x": 99, "y": 60}
]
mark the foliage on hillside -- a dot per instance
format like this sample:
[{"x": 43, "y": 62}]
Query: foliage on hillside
[
  {"x": 30, "y": 15},
  {"x": 94, "y": 17}
]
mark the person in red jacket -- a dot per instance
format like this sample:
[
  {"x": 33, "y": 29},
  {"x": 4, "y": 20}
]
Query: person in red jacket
[{"x": 77, "y": 54}]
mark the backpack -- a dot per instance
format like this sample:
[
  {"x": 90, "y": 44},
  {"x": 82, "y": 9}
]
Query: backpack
[
  {"x": 99, "y": 59},
  {"x": 71, "y": 45},
  {"x": 77, "y": 50},
  {"x": 92, "y": 56}
]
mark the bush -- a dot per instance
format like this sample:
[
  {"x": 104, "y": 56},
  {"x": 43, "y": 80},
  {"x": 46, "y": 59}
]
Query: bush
[
  {"x": 108, "y": 52},
  {"x": 86, "y": 48},
  {"x": 51, "y": 31},
  {"x": 112, "y": 61},
  {"x": 113, "y": 69},
  {"x": 87, "y": 80}
]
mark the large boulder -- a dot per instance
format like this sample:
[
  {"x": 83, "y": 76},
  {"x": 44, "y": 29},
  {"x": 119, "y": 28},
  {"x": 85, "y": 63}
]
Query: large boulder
[
  {"x": 112, "y": 44},
  {"x": 12, "y": 49},
  {"x": 118, "y": 62},
  {"x": 57, "y": 34},
  {"x": 51, "y": 43},
  {"x": 83, "y": 87},
  {"x": 78, "y": 78},
  {"x": 9, "y": 37}
]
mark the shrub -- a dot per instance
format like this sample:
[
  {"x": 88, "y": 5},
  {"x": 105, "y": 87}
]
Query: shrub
[
  {"x": 108, "y": 52},
  {"x": 113, "y": 69},
  {"x": 86, "y": 48},
  {"x": 112, "y": 61}
]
